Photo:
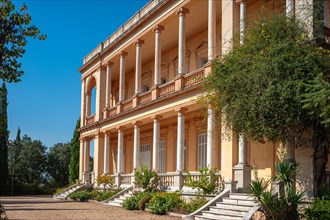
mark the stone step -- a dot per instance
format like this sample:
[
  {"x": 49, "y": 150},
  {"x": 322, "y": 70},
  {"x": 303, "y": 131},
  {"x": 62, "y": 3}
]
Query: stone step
[
  {"x": 224, "y": 205},
  {"x": 118, "y": 200},
  {"x": 114, "y": 204},
  {"x": 245, "y": 196},
  {"x": 219, "y": 217},
  {"x": 233, "y": 210},
  {"x": 216, "y": 215},
  {"x": 239, "y": 201}
]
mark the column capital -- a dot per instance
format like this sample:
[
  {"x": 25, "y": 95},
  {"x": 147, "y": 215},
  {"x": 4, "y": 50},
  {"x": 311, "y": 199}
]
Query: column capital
[
  {"x": 157, "y": 117},
  {"x": 120, "y": 128},
  {"x": 123, "y": 54},
  {"x": 240, "y": 1},
  {"x": 158, "y": 28},
  {"x": 109, "y": 63},
  {"x": 182, "y": 11},
  {"x": 181, "y": 111},
  {"x": 137, "y": 123},
  {"x": 139, "y": 42}
]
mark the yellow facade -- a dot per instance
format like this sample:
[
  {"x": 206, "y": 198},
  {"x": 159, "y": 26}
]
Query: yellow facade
[{"x": 147, "y": 78}]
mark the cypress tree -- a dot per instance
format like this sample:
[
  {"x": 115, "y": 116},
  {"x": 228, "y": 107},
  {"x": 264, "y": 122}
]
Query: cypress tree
[
  {"x": 75, "y": 150},
  {"x": 4, "y": 135}
]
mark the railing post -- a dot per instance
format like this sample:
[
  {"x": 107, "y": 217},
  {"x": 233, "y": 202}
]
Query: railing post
[
  {"x": 178, "y": 180},
  {"x": 179, "y": 82}
]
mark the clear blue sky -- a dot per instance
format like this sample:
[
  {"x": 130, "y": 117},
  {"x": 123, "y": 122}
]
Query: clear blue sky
[{"x": 46, "y": 103}]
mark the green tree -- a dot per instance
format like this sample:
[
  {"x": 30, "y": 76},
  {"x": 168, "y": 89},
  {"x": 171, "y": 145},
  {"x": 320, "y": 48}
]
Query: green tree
[
  {"x": 58, "y": 160},
  {"x": 259, "y": 87},
  {"x": 75, "y": 150},
  {"x": 15, "y": 30},
  {"x": 14, "y": 149},
  {"x": 31, "y": 162},
  {"x": 4, "y": 133}
]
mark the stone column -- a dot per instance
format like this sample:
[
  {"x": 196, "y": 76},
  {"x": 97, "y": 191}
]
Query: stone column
[
  {"x": 180, "y": 140},
  {"x": 289, "y": 8},
  {"x": 242, "y": 170},
  {"x": 120, "y": 150},
  {"x": 182, "y": 41},
  {"x": 86, "y": 161},
  {"x": 242, "y": 20},
  {"x": 138, "y": 66},
  {"x": 156, "y": 137},
  {"x": 136, "y": 146},
  {"x": 108, "y": 86},
  {"x": 83, "y": 101},
  {"x": 106, "y": 153},
  {"x": 211, "y": 30},
  {"x": 122, "y": 56},
  {"x": 81, "y": 160},
  {"x": 158, "y": 53},
  {"x": 210, "y": 132},
  {"x": 290, "y": 151}
]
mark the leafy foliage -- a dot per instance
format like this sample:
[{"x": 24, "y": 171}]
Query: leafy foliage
[
  {"x": 58, "y": 160},
  {"x": 163, "y": 202},
  {"x": 145, "y": 178},
  {"x": 275, "y": 87},
  {"x": 194, "y": 204},
  {"x": 104, "y": 195},
  {"x": 284, "y": 205},
  {"x": 137, "y": 201},
  {"x": 81, "y": 196},
  {"x": 207, "y": 184},
  {"x": 75, "y": 150},
  {"x": 319, "y": 210},
  {"x": 105, "y": 180},
  {"x": 15, "y": 30}
]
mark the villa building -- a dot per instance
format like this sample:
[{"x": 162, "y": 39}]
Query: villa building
[{"x": 146, "y": 80}]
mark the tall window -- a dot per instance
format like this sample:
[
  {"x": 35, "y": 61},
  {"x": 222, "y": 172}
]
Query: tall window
[
  {"x": 162, "y": 167},
  {"x": 145, "y": 155},
  {"x": 202, "y": 147}
]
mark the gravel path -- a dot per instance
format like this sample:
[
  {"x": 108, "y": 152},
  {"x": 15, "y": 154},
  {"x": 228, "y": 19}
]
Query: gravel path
[{"x": 45, "y": 207}]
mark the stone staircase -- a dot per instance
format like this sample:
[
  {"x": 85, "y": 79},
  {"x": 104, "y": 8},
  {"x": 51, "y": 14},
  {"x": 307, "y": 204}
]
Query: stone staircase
[
  {"x": 118, "y": 199},
  {"x": 234, "y": 207},
  {"x": 65, "y": 193}
]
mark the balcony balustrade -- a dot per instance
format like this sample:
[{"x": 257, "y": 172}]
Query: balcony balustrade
[
  {"x": 167, "y": 89},
  {"x": 145, "y": 97},
  {"x": 189, "y": 80}
]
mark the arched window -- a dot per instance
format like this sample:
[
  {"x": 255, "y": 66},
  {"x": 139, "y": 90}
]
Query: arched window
[
  {"x": 146, "y": 81},
  {"x": 91, "y": 97}
]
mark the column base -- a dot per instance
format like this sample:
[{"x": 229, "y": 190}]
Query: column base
[
  {"x": 242, "y": 173},
  {"x": 231, "y": 186},
  {"x": 86, "y": 179},
  {"x": 178, "y": 180},
  {"x": 117, "y": 179}
]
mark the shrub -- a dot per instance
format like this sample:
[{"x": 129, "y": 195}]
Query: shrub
[
  {"x": 194, "y": 204},
  {"x": 137, "y": 201},
  {"x": 163, "y": 202},
  {"x": 207, "y": 184},
  {"x": 284, "y": 205},
  {"x": 81, "y": 196},
  {"x": 101, "y": 196},
  {"x": 320, "y": 210},
  {"x": 147, "y": 179},
  {"x": 105, "y": 180}
]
